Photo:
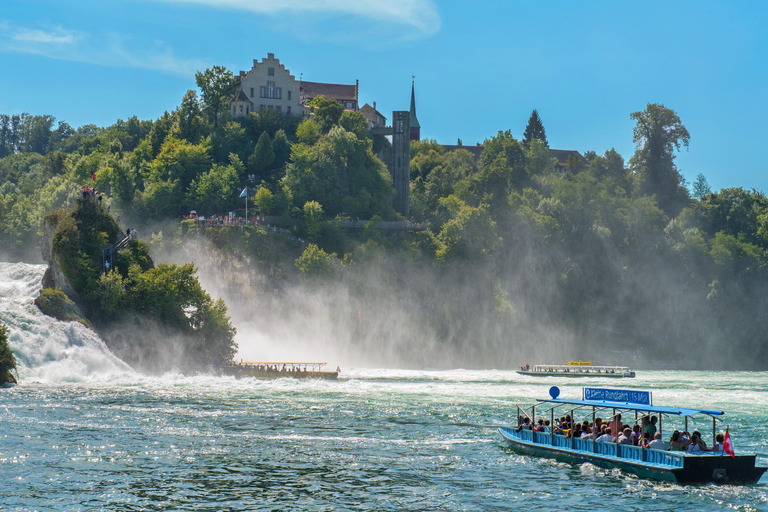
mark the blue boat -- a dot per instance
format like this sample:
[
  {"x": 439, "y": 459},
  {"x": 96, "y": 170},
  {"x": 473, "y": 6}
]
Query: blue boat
[{"x": 676, "y": 466}]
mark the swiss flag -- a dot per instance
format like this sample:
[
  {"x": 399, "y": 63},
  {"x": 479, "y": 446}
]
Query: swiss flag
[{"x": 728, "y": 445}]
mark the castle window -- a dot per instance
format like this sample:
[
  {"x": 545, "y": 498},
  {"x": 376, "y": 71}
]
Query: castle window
[
  {"x": 241, "y": 110},
  {"x": 278, "y": 109},
  {"x": 262, "y": 92},
  {"x": 261, "y": 108},
  {"x": 233, "y": 110},
  {"x": 348, "y": 104},
  {"x": 289, "y": 95},
  {"x": 289, "y": 108},
  {"x": 251, "y": 92},
  {"x": 247, "y": 110},
  {"x": 271, "y": 71},
  {"x": 279, "y": 93},
  {"x": 270, "y": 89}
]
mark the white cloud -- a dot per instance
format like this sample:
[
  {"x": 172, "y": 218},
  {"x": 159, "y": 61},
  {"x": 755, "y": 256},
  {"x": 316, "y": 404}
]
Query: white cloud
[
  {"x": 417, "y": 18},
  {"x": 111, "y": 50},
  {"x": 55, "y": 36}
]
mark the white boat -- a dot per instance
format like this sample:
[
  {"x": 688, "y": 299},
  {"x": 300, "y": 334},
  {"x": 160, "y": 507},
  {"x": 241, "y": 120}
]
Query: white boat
[{"x": 577, "y": 369}]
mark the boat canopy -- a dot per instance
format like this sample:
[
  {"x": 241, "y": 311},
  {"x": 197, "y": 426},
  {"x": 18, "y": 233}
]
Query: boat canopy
[{"x": 680, "y": 411}]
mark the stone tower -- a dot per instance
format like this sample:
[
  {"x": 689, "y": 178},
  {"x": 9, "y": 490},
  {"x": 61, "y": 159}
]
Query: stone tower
[{"x": 402, "y": 132}]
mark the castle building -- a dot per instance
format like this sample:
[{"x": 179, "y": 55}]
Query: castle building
[
  {"x": 269, "y": 85},
  {"x": 343, "y": 93},
  {"x": 374, "y": 117}
]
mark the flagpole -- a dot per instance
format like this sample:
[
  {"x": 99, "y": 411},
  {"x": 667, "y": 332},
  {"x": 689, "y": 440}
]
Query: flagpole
[{"x": 246, "y": 204}]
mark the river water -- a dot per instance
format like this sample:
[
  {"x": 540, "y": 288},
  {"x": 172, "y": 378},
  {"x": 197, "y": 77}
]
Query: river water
[{"x": 84, "y": 432}]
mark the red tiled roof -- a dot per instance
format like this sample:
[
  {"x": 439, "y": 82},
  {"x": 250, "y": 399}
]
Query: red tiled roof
[{"x": 339, "y": 92}]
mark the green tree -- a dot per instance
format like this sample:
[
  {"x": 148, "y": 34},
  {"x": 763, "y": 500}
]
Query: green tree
[
  {"x": 308, "y": 132},
  {"x": 700, "y": 187},
  {"x": 281, "y": 148},
  {"x": 535, "y": 130},
  {"x": 7, "y": 359},
  {"x": 610, "y": 166},
  {"x": 657, "y": 135},
  {"x": 217, "y": 86},
  {"x": 190, "y": 119},
  {"x": 315, "y": 263},
  {"x": 265, "y": 201},
  {"x": 263, "y": 158},
  {"x": 313, "y": 214},
  {"x": 328, "y": 111},
  {"x": 215, "y": 191},
  {"x": 341, "y": 173},
  {"x": 354, "y": 122}
]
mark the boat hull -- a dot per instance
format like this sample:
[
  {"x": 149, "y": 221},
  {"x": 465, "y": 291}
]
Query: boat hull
[
  {"x": 669, "y": 466},
  {"x": 241, "y": 372},
  {"x": 577, "y": 374}
]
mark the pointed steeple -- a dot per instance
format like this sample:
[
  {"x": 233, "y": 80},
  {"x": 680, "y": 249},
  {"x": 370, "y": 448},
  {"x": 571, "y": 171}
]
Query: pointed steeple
[
  {"x": 414, "y": 120},
  {"x": 415, "y": 126}
]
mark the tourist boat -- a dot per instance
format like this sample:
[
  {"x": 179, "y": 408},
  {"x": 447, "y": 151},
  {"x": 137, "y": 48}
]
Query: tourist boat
[
  {"x": 576, "y": 369},
  {"x": 677, "y": 466},
  {"x": 278, "y": 370}
]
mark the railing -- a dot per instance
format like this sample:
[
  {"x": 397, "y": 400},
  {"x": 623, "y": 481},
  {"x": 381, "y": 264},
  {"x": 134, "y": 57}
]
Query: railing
[
  {"x": 582, "y": 444},
  {"x": 662, "y": 457},
  {"x": 628, "y": 452}
]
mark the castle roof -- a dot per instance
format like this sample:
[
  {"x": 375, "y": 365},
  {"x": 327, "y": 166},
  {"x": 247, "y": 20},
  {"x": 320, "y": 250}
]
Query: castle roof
[
  {"x": 240, "y": 96},
  {"x": 338, "y": 92},
  {"x": 370, "y": 113}
]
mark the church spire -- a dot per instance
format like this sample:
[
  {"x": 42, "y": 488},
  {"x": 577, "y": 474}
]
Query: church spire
[{"x": 415, "y": 126}]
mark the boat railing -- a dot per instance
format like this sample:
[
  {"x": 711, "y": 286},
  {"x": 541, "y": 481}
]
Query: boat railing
[
  {"x": 582, "y": 444},
  {"x": 663, "y": 457},
  {"x": 627, "y": 451},
  {"x": 608, "y": 449}
]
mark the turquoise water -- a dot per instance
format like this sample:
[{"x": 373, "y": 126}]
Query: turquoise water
[
  {"x": 375, "y": 440},
  {"x": 84, "y": 432}
]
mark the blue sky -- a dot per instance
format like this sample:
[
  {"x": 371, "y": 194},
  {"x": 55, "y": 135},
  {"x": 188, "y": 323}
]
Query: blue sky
[{"x": 480, "y": 66}]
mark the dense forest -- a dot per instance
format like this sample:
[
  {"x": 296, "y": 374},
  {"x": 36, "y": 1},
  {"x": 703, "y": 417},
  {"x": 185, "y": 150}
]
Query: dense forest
[{"x": 523, "y": 260}]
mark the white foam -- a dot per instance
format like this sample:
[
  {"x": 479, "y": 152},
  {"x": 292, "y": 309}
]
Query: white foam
[{"x": 46, "y": 349}]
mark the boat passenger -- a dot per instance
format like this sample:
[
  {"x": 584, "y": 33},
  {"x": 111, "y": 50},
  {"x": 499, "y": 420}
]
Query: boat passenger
[
  {"x": 525, "y": 425},
  {"x": 657, "y": 443},
  {"x": 649, "y": 425},
  {"x": 719, "y": 444},
  {"x": 576, "y": 432},
  {"x": 607, "y": 437},
  {"x": 636, "y": 435},
  {"x": 626, "y": 436},
  {"x": 696, "y": 443},
  {"x": 676, "y": 442},
  {"x": 615, "y": 424}
]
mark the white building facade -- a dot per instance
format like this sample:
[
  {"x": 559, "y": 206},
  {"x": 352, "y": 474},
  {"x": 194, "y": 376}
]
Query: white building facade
[{"x": 268, "y": 85}]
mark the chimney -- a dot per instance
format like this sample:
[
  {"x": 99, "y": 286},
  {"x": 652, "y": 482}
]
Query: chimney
[{"x": 374, "y": 105}]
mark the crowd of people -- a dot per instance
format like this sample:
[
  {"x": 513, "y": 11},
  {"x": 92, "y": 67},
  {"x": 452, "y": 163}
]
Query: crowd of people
[{"x": 645, "y": 434}]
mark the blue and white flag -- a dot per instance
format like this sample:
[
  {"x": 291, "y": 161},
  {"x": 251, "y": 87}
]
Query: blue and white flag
[{"x": 244, "y": 192}]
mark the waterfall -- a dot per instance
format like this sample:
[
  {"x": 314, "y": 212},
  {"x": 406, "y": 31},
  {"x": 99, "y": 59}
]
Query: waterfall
[{"x": 47, "y": 349}]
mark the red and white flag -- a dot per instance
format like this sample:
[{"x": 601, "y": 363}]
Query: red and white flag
[{"x": 728, "y": 445}]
